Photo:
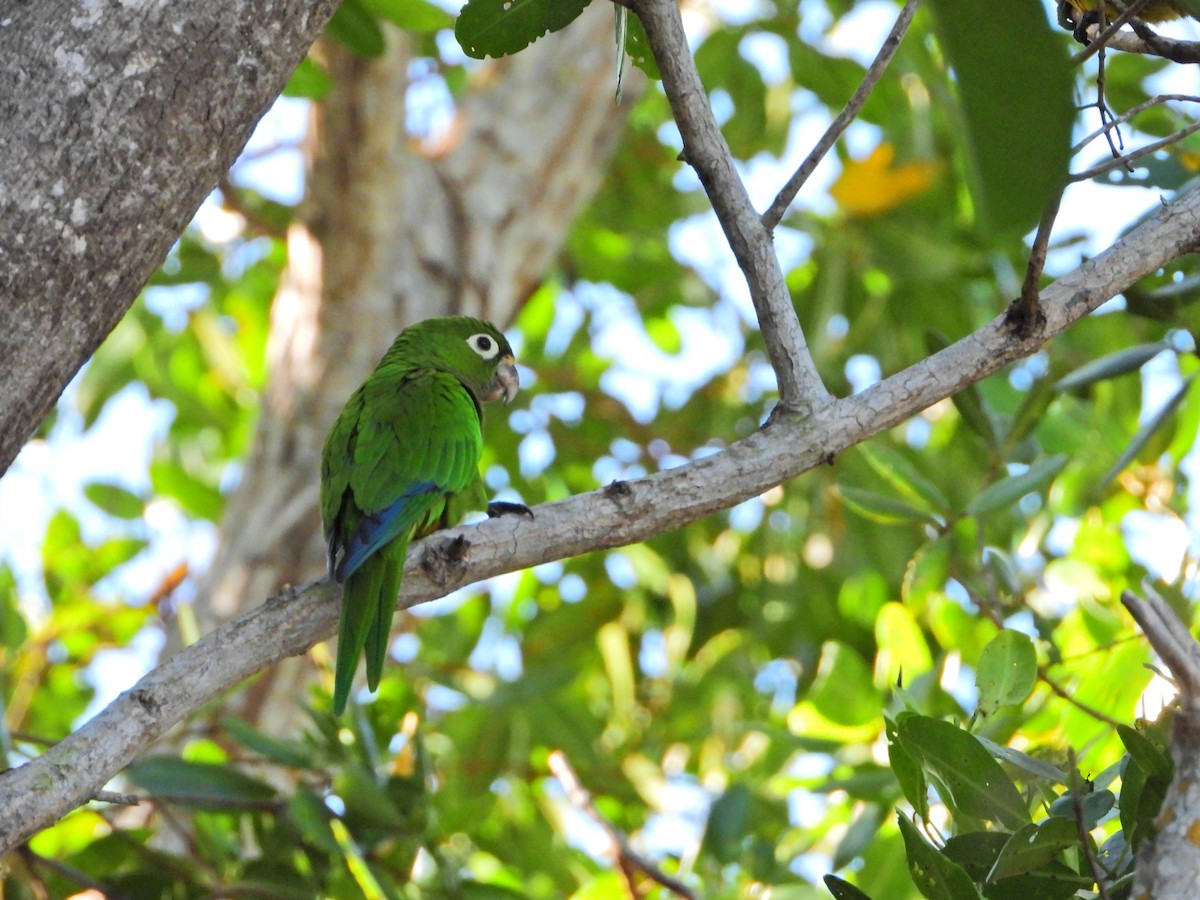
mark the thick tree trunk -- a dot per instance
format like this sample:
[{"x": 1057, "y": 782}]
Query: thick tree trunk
[
  {"x": 390, "y": 235},
  {"x": 116, "y": 120}
]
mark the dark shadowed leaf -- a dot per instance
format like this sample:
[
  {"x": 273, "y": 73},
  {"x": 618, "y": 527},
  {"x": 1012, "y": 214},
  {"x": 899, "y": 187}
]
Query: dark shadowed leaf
[
  {"x": 936, "y": 876},
  {"x": 1019, "y": 75},
  {"x": 200, "y": 785},
  {"x": 500, "y": 27},
  {"x": 976, "y": 783},
  {"x": 1008, "y": 491}
]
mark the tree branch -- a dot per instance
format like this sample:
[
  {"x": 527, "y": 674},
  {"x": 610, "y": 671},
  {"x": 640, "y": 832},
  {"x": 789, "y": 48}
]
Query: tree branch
[
  {"x": 705, "y": 150},
  {"x": 837, "y": 127},
  {"x": 39, "y": 792},
  {"x": 1168, "y": 864},
  {"x": 1145, "y": 41},
  {"x": 118, "y": 121},
  {"x": 627, "y": 857}
]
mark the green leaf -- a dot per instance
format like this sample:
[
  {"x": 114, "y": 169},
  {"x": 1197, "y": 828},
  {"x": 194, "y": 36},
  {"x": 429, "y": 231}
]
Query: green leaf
[
  {"x": 1033, "y": 846},
  {"x": 310, "y": 81},
  {"x": 13, "y": 629},
  {"x": 907, "y": 771},
  {"x": 1094, "y": 805},
  {"x": 353, "y": 25},
  {"x": 194, "y": 496},
  {"x": 862, "y": 831},
  {"x": 416, "y": 16},
  {"x": 1149, "y": 758},
  {"x": 843, "y": 890},
  {"x": 213, "y": 786},
  {"x": 976, "y": 783},
  {"x": 285, "y": 752},
  {"x": 935, "y": 876},
  {"x": 899, "y": 472},
  {"x": 115, "y": 500},
  {"x": 1020, "y": 74},
  {"x": 637, "y": 45},
  {"x": 501, "y": 27},
  {"x": 1002, "y": 571},
  {"x": 311, "y": 817},
  {"x": 1007, "y": 671},
  {"x": 727, "y": 823},
  {"x": 842, "y": 690},
  {"x": 882, "y": 509},
  {"x": 1031, "y": 764},
  {"x": 1146, "y": 432},
  {"x": 1142, "y": 796},
  {"x": 1009, "y": 490},
  {"x": 1031, "y": 412},
  {"x": 1114, "y": 365},
  {"x": 664, "y": 334}
]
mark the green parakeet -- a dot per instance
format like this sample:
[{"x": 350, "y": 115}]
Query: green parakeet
[{"x": 402, "y": 461}]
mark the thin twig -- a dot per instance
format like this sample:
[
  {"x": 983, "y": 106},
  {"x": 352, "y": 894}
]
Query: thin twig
[
  {"x": 627, "y": 858},
  {"x": 36, "y": 860},
  {"x": 705, "y": 150},
  {"x": 233, "y": 198},
  {"x": 117, "y": 799},
  {"x": 1026, "y": 314},
  {"x": 1127, "y": 158},
  {"x": 1060, "y": 691},
  {"x": 1183, "y": 52},
  {"x": 1085, "y": 839},
  {"x": 787, "y": 194},
  {"x": 1130, "y": 113},
  {"x": 1170, "y": 639}
]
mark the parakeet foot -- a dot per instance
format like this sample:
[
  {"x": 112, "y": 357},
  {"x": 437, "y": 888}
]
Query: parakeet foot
[{"x": 498, "y": 508}]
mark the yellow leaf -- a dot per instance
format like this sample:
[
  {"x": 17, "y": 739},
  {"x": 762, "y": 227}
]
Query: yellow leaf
[{"x": 873, "y": 186}]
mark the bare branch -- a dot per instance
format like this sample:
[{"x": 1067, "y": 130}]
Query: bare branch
[
  {"x": 779, "y": 205},
  {"x": 705, "y": 150},
  {"x": 1171, "y": 640},
  {"x": 1124, "y": 159},
  {"x": 1168, "y": 48},
  {"x": 1026, "y": 312},
  {"x": 1110, "y": 124},
  {"x": 627, "y": 857},
  {"x": 1168, "y": 864},
  {"x": 37, "y": 793},
  {"x": 117, "y": 799}
]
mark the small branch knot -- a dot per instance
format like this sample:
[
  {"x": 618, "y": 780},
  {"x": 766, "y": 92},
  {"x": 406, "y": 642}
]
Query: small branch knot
[{"x": 445, "y": 560}]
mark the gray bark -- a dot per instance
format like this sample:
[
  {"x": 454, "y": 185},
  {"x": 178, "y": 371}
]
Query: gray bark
[{"x": 116, "y": 120}]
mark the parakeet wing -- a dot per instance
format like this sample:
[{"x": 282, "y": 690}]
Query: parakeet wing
[{"x": 415, "y": 439}]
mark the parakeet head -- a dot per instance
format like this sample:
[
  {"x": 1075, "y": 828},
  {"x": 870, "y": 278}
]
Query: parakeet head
[{"x": 472, "y": 350}]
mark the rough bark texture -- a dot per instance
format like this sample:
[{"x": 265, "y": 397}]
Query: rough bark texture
[
  {"x": 1168, "y": 864},
  {"x": 116, "y": 120},
  {"x": 390, "y": 235}
]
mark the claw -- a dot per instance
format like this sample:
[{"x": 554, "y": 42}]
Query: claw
[{"x": 498, "y": 508}]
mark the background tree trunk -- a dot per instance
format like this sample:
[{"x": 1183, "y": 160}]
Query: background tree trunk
[
  {"x": 118, "y": 119},
  {"x": 390, "y": 235}
]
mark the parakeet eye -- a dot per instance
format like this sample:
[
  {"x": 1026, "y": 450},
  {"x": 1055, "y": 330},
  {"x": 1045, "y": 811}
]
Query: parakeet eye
[{"x": 484, "y": 345}]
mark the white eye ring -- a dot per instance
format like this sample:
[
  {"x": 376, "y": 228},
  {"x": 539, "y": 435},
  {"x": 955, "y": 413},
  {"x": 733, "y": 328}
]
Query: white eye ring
[{"x": 484, "y": 344}]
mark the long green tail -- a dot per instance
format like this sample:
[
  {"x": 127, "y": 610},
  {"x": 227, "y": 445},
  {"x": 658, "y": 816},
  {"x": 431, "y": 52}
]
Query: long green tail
[{"x": 368, "y": 603}]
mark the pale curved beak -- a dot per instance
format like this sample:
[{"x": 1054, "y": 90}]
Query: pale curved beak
[{"x": 506, "y": 383}]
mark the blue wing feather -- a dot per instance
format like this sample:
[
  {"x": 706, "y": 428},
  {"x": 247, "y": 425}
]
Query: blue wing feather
[{"x": 376, "y": 529}]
